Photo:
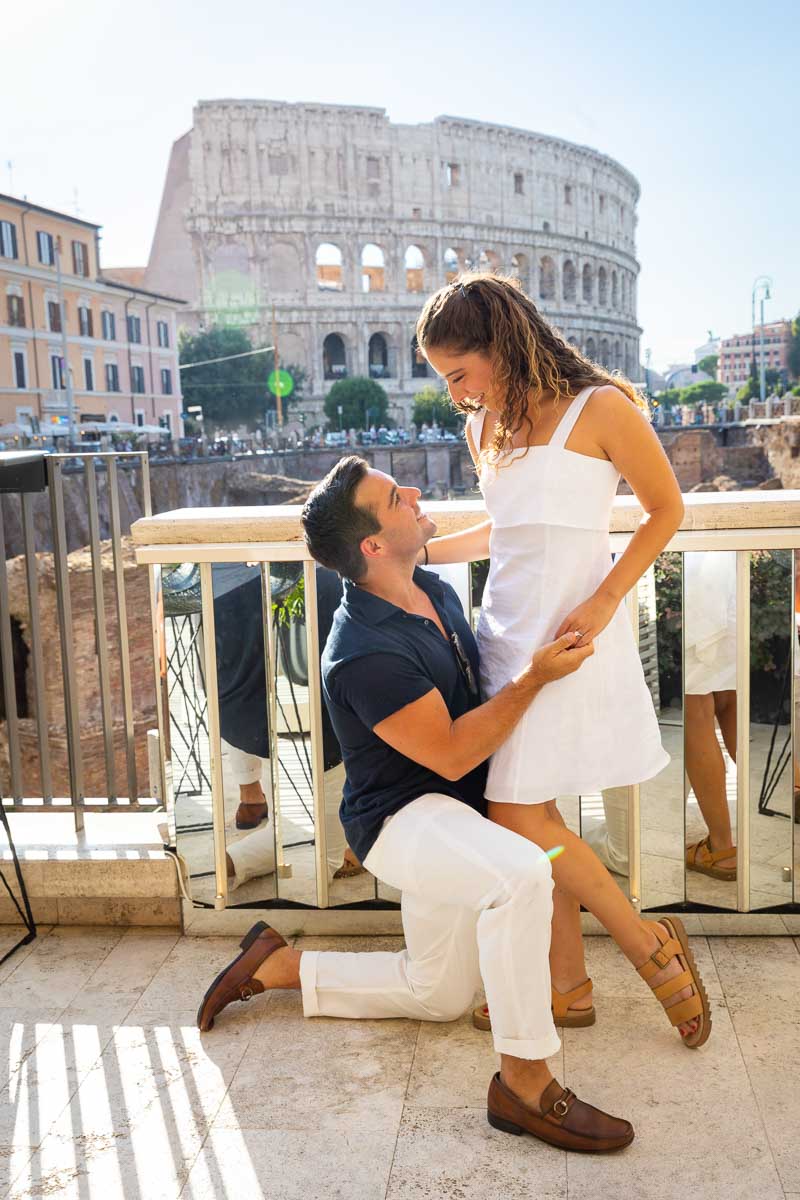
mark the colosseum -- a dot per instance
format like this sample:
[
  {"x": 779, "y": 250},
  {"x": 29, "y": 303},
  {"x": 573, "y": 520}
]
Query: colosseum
[{"x": 336, "y": 222}]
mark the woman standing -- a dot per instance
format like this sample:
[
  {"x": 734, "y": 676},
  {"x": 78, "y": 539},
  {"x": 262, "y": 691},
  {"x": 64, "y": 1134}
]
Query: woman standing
[{"x": 551, "y": 433}]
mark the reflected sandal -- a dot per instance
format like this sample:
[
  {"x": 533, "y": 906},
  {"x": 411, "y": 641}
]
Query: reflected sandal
[
  {"x": 701, "y": 858},
  {"x": 675, "y": 944}
]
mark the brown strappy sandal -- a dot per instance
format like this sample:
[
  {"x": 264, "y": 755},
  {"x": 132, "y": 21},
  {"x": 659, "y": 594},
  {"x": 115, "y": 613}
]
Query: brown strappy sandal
[
  {"x": 675, "y": 944},
  {"x": 701, "y": 858},
  {"x": 560, "y": 1001}
]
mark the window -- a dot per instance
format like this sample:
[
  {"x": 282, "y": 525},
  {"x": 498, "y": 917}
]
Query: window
[
  {"x": 519, "y": 183},
  {"x": 88, "y": 374},
  {"x": 373, "y": 170},
  {"x": 57, "y": 371},
  {"x": 80, "y": 259},
  {"x": 453, "y": 174},
  {"x": 602, "y": 202},
  {"x": 54, "y": 316},
  {"x": 166, "y": 381},
  {"x": 16, "y": 311},
  {"x": 112, "y": 377},
  {"x": 165, "y": 421},
  {"x": 46, "y": 247},
  {"x": 20, "y": 373},
  {"x": 162, "y": 329},
  {"x": 137, "y": 380},
  {"x": 8, "y": 240},
  {"x": 139, "y": 417},
  {"x": 134, "y": 329},
  {"x": 109, "y": 322},
  {"x": 85, "y": 321},
  {"x": 568, "y": 193}
]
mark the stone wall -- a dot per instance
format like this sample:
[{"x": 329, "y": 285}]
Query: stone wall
[{"x": 86, "y": 672}]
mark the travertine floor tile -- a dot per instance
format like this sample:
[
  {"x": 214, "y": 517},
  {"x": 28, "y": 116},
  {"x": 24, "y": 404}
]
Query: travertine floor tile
[
  {"x": 453, "y": 1065},
  {"x": 58, "y": 967},
  {"x": 757, "y": 968},
  {"x": 697, "y": 1102},
  {"x": 769, "y": 1040},
  {"x": 454, "y": 1153},
  {"x": 348, "y": 1162}
]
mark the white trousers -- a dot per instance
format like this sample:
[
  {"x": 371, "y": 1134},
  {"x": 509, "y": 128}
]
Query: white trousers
[{"x": 476, "y": 901}]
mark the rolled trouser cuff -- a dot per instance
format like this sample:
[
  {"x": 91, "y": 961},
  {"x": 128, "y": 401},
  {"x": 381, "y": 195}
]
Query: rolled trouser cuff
[
  {"x": 308, "y": 983},
  {"x": 532, "y": 1048}
]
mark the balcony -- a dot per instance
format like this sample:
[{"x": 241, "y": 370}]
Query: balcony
[{"x": 111, "y": 1089}]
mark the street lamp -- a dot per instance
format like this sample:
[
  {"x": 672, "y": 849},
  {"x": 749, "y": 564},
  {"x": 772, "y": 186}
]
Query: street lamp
[{"x": 762, "y": 284}]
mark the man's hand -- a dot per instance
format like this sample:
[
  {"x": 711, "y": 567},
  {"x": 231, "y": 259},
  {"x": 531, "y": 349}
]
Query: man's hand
[{"x": 559, "y": 658}]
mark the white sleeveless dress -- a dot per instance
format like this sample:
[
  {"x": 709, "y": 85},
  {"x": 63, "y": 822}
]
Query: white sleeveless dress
[{"x": 550, "y": 550}]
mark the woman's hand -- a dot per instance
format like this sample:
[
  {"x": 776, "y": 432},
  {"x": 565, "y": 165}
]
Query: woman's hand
[{"x": 590, "y": 618}]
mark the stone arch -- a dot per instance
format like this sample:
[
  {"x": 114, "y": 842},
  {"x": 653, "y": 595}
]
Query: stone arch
[
  {"x": 330, "y": 267},
  {"x": 588, "y": 284},
  {"x": 230, "y": 284},
  {"x": 419, "y": 364},
  {"x": 488, "y": 260},
  {"x": 373, "y": 268},
  {"x": 378, "y": 356},
  {"x": 520, "y": 269},
  {"x": 414, "y": 262},
  {"x": 569, "y": 281},
  {"x": 452, "y": 264},
  {"x": 604, "y": 352},
  {"x": 624, "y": 291},
  {"x": 283, "y": 265},
  {"x": 614, "y": 290},
  {"x": 617, "y": 355},
  {"x": 547, "y": 278},
  {"x": 334, "y": 357},
  {"x": 602, "y": 287},
  {"x": 292, "y": 349},
  {"x": 629, "y": 361},
  {"x": 590, "y": 350}
]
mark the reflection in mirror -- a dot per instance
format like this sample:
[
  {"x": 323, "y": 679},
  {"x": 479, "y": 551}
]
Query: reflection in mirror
[
  {"x": 710, "y": 713},
  {"x": 662, "y": 798},
  {"x": 772, "y": 631},
  {"x": 795, "y": 744},
  {"x": 348, "y": 881},
  {"x": 188, "y": 751}
]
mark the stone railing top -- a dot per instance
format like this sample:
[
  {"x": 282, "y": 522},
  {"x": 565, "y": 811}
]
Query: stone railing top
[{"x": 281, "y": 523}]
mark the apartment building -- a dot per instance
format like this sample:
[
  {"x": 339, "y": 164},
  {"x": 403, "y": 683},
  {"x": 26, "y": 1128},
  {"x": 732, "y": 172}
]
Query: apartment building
[
  {"x": 121, "y": 340},
  {"x": 737, "y": 353}
]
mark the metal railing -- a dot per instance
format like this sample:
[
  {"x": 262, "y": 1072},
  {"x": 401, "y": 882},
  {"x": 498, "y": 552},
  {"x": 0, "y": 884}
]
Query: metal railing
[
  {"x": 659, "y": 818},
  {"x": 79, "y": 743}
]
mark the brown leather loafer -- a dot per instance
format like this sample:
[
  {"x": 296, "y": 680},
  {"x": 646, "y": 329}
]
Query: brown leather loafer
[
  {"x": 236, "y": 982},
  {"x": 562, "y": 1120},
  {"x": 250, "y": 816}
]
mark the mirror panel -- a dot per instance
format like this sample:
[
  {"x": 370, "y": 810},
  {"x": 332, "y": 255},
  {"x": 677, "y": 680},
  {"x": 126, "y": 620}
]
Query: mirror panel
[
  {"x": 772, "y": 631},
  {"x": 662, "y": 798},
  {"x": 710, "y": 715}
]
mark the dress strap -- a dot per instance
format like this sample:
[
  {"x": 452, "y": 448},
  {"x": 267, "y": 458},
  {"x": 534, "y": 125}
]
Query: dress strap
[
  {"x": 475, "y": 423},
  {"x": 567, "y": 423}
]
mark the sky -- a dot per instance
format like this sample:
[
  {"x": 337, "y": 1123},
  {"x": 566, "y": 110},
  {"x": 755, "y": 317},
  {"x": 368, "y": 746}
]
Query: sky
[{"x": 699, "y": 100}]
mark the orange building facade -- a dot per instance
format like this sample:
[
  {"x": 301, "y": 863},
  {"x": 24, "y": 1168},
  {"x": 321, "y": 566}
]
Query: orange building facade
[{"x": 121, "y": 353}]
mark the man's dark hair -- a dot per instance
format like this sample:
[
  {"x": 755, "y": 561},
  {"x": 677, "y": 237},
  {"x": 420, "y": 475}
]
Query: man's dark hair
[{"x": 334, "y": 524}]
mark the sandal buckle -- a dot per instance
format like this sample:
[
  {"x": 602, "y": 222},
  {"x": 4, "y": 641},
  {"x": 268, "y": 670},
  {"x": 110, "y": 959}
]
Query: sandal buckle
[
  {"x": 561, "y": 1108},
  {"x": 660, "y": 959}
]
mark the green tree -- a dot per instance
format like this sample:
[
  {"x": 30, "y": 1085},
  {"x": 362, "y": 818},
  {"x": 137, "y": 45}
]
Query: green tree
[
  {"x": 669, "y": 397},
  {"x": 233, "y": 392},
  {"x": 706, "y": 392},
  {"x": 433, "y": 404},
  {"x": 709, "y": 365},
  {"x": 752, "y": 389},
  {"x": 363, "y": 402},
  {"x": 794, "y": 350}
]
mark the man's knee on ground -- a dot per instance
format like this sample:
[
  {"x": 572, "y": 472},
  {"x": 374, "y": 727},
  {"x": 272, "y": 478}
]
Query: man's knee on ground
[{"x": 445, "y": 1003}]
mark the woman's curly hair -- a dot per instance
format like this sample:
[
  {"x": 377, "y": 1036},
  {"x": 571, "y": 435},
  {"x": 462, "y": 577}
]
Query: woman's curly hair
[{"x": 490, "y": 314}]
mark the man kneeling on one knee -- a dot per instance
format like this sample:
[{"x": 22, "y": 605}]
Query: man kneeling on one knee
[{"x": 400, "y": 672}]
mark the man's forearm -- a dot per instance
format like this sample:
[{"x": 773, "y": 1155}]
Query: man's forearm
[{"x": 476, "y": 735}]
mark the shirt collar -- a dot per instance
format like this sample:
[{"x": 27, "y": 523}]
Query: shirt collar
[{"x": 374, "y": 609}]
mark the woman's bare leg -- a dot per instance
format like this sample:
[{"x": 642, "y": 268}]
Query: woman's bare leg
[
  {"x": 567, "y": 961},
  {"x": 705, "y": 767},
  {"x": 579, "y": 872},
  {"x": 725, "y": 710}
]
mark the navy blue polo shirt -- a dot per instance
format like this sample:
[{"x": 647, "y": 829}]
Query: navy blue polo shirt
[{"x": 379, "y": 658}]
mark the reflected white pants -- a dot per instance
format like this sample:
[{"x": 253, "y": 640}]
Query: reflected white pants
[{"x": 476, "y": 901}]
